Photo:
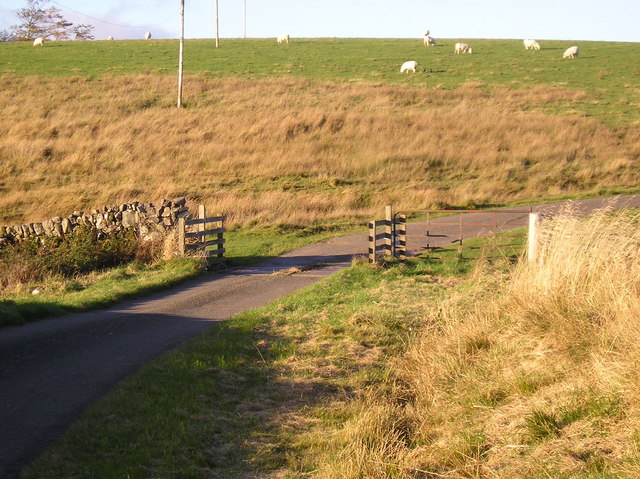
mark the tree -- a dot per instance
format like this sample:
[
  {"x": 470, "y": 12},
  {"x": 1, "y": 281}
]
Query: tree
[
  {"x": 83, "y": 31},
  {"x": 58, "y": 27},
  {"x": 6, "y": 36},
  {"x": 33, "y": 21},
  {"x": 39, "y": 20}
]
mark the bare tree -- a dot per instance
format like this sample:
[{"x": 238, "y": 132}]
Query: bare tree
[
  {"x": 32, "y": 17},
  {"x": 58, "y": 26},
  {"x": 6, "y": 36},
  {"x": 37, "y": 19},
  {"x": 83, "y": 31}
]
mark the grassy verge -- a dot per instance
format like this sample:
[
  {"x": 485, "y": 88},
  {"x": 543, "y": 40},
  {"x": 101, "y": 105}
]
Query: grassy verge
[{"x": 96, "y": 290}]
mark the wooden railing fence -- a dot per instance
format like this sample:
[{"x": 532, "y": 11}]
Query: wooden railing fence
[
  {"x": 394, "y": 236},
  {"x": 389, "y": 236},
  {"x": 198, "y": 241}
]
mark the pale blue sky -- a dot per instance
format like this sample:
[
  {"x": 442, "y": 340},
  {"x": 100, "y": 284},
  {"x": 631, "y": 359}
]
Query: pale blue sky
[{"x": 541, "y": 19}]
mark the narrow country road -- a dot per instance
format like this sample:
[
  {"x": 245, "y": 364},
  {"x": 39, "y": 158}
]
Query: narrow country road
[{"x": 52, "y": 370}]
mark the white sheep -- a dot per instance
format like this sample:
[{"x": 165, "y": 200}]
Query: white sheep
[
  {"x": 110, "y": 38},
  {"x": 571, "y": 52},
  {"x": 147, "y": 35},
  {"x": 530, "y": 44},
  {"x": 429, "y": 41},
  {"x": 409, "y": 66},
  {"x": 38, "y": 42},
  {"x": 284, "y": 38},
  {"x": 463, "y": 47}
]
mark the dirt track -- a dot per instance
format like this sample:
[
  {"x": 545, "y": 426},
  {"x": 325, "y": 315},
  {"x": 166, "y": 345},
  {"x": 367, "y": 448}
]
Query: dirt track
[{"x": 52, "y": 370}]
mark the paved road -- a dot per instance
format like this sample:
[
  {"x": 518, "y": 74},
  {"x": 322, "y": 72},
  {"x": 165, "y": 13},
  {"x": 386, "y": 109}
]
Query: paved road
[{"x": 53, "y": 370}]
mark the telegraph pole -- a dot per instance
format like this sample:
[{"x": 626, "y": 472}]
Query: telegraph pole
[
  {"x": 217, "y": 27},
  {"x": 181, "y": 54}
]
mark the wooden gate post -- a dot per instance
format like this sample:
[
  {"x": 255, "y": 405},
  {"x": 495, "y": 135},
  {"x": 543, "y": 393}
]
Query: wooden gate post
[
  {"x": 202, "y": 214},
  {"x": 401, "y": 232},
  {"x": 388, "y": 230},
  {"x": 181, "y": 237},
  {"x": 532, "y": 237},
  {"x": 372, "y": 242},
  {"x": 220, "y": 237}
]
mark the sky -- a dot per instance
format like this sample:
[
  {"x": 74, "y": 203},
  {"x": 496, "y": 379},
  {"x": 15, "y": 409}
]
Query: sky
[{"x": 610, "y": 20}]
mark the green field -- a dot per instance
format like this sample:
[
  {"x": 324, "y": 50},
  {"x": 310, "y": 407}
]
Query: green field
[{"x": 608, "y": 72}]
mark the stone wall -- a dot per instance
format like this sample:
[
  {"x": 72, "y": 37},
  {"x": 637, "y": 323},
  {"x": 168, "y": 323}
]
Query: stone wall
[{"x": 146, "y": 218}]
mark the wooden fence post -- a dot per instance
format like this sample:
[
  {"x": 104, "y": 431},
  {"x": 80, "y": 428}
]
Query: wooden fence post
[
  {"x": 388, "y": 230},
  {"x": 181, "y": 238},
  {"x": 372, "y": 242},
  {"x": 461, "y": 231},
  {"x": 220, "y": 237},
  {"x": 401, "y": 232},
  {"x": 202, "y": 214},
  {"x": 532, "y": 237}
]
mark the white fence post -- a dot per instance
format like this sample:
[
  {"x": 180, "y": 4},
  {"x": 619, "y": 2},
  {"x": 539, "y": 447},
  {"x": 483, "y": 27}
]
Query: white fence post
[{"x": 532, "y": 239}]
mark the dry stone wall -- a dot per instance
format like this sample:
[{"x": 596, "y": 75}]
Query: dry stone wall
[{"x": 146, "y": 218}]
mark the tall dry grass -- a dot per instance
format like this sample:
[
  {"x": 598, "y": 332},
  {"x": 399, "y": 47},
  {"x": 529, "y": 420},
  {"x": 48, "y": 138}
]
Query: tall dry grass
[
  {"x": 542, "y": 381},
  {"x": 294, "y": 151}
]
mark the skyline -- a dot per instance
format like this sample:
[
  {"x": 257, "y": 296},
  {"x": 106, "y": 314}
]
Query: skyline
[{"x": 550, "y": 20}]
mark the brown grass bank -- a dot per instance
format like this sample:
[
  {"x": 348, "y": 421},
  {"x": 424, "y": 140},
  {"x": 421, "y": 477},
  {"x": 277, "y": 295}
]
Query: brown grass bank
[
  {"x": 296, "y": 152},
  {"x": 539, "y": 381}
]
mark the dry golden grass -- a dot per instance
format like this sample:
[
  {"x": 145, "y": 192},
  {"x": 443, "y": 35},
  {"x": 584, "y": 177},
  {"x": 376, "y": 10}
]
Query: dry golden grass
[
  {"x": 539, "y": 382},
  {"x": 294, "y": 151}
]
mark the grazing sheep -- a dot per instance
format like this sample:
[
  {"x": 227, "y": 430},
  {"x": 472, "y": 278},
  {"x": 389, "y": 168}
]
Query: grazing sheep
[
  {"x": 429, "y": 41},
  {"x": 38, "y": 42},
  {"x": 147, "y": 35},
  {"x": 463, "y": 47},
  {"x": 530, "y": 44},
  {"x": 284, "y": 38},
  {"x": 571, "y": 52},
  {"x": 110, "y": 38},
  {"x": 409, "y": 66}
]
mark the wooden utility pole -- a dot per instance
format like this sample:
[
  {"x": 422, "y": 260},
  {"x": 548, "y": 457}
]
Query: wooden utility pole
[
  {"x": 217, "y": 27},
  {"x": 181, "y": 54}
]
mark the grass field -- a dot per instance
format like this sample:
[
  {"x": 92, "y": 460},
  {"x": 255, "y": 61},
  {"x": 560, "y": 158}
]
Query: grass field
[
  {"x": 606, "y": 71},
  {"x": 317, "y": 132}
]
